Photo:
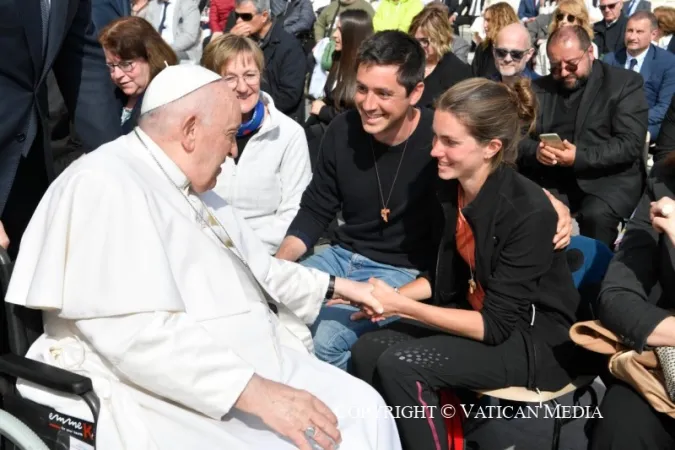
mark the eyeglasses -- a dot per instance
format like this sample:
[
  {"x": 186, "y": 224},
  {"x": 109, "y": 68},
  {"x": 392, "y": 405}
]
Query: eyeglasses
[
  {"x": 424, "y": 42},
  {"x": 610, "y": 6},
  {"x": 569, "y": 66},
  {"x": 125, "y": 66},
  {"x": 570, "y": 18},
  {"x": 246, "y": 17},
  {"x": 516, "y": 55},
  {"x": 248, "y": 78}
]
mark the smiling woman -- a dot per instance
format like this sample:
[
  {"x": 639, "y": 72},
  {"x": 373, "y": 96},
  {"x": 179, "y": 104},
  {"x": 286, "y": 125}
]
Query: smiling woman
[
  {"x": 268, "y": 176},
  {"x": 135, "y": 53}
]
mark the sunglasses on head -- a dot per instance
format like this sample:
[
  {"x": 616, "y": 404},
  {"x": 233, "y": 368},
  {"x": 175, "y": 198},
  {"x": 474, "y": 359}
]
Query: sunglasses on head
[
  {"x": 516, "y": 55},
  {"x": 246, "y": 17},
  {"x": 610, "y": 6},
  {"x": 561, "y": 17}
]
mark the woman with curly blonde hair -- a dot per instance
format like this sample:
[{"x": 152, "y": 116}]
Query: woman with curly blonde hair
[
  {"x": 495, "y": 18},
  {"x": 444, "y": 67},
  {"x": 568, "y": 12}
]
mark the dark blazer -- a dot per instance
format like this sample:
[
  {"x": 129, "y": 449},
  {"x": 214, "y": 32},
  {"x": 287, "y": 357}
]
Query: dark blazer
[
  {"x": 528, "y": 9},
  {"x": 449, "y": 71},
  {"x": 79, "y": 66},
  {"x": 658, "y": 72},
  {"x": 105, "y": 11},
  {"x": 640, "y": 283},
  {"x": 285, "y": 70},
  {"x": 610, "y": 131},
  {"x": 610, "y": 39},
  {"x": 483, "y": 64},
  {"x": 666, "y": 141},
  {"x": 513, "y": 223},
  {"x": 643, "y": 5}
]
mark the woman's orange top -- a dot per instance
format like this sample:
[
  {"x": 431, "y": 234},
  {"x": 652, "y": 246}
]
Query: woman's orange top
[{"x": 466, "y": 246}]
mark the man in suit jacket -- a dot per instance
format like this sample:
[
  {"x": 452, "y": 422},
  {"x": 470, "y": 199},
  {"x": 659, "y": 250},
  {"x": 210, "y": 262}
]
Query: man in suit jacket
[
  {"x": 35, "y": 37},
  {"x": 609, "y": 32},
  {"x": 105, "y": 11},
  {"x": 630, "y": 7},
  {"x": 657, "y": 66},
  {"x": 600, "y": 114}
]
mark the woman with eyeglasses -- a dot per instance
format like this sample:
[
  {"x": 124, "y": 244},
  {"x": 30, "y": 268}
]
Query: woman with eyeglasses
[
  {"x": 443, "y": 67},
  {"x": 266, "y": 179},
  {"x": 568, "y": 12},
  {"x": 495, "y": 18},
  {"x": 135, "y": 53},
  {"x": 351, "y": 28}
]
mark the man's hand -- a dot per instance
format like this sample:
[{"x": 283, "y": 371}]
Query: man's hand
[
  {"x": 662, "y": 216},
  {"x": 242, "y": 29},
  {"x": 545, "y": 155},
  {"x": 452, "y": 18},
  {"x": 316, "y": 107},
  {"x": 567, "y": 156},
  {"x": 4, "y": 239},
  {"x": 290, "y": 412},
  {"x": 563, "y": 233},
  {"x": 359, "y": 295}
]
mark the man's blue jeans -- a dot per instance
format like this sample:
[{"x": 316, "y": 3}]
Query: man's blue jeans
[{"x": 334, "y": 332}]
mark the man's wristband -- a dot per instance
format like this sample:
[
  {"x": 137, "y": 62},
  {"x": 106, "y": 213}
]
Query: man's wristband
[{"x": 331, "y": 287}]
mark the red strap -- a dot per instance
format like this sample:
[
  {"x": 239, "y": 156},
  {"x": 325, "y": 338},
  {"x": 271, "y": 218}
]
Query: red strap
[{"x": 454, "y": 424}]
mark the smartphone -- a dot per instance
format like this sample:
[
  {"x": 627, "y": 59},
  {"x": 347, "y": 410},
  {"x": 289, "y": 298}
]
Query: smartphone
[{"x": 552, "y": 140}]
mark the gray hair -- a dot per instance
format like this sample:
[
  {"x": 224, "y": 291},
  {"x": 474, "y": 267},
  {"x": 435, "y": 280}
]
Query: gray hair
[
  {"x": 260, "y": 5},
  {"x": 646, "y": 15}
]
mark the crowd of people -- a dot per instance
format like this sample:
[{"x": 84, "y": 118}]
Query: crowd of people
[{"x": 187, "y": 279}]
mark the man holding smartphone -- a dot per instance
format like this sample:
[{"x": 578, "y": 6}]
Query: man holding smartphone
[{"x": 590, "y": 134}]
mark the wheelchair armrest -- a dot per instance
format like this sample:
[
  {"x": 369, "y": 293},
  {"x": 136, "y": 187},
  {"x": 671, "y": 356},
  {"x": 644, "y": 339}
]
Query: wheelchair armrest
[{"x": 45, "y": 375}]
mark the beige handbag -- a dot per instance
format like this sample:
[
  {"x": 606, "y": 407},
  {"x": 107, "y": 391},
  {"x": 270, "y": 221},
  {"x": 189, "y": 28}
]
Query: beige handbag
[{"x": 642, "y": 371}]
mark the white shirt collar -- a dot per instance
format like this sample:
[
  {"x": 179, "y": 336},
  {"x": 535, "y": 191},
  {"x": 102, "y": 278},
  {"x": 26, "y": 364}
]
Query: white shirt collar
[
  {"x": 177, "y": 177},
  {"x": 640, "y": 59}
]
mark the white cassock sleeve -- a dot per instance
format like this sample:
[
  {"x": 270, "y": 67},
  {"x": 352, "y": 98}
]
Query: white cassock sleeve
[{"x": 172, "y": 356}]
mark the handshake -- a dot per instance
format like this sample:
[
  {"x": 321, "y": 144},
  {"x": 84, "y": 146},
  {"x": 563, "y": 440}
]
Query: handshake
[{"x": 376, "y": 299}]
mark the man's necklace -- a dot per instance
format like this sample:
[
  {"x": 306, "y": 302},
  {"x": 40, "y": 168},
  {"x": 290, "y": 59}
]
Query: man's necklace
[
  {"x": 214, "y": 220},
  {"x": 385, "y": 211}
]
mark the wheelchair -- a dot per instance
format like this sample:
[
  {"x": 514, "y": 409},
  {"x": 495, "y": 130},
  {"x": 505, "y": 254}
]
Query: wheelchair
[{"x": 24, "y": 424}]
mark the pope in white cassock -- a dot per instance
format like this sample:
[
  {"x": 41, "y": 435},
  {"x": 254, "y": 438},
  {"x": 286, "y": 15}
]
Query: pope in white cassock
[{"x": 154, "y": 289}]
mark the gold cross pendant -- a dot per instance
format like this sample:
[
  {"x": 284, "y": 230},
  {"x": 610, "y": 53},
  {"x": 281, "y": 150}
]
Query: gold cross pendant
[
  {"x": 384, "y": 212},
  {"x": 472, "y": 286}
]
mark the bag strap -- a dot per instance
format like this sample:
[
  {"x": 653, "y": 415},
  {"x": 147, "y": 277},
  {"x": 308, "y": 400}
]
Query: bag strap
[{"x": 327, "y": 33}]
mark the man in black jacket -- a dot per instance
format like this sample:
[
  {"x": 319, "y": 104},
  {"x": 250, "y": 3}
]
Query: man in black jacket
[
  {"x": 600, "y": 114},
  {"x": 285, "y": 61},
  {"x": 610, "y": 31},
  {"x": 37, "y": 36}
]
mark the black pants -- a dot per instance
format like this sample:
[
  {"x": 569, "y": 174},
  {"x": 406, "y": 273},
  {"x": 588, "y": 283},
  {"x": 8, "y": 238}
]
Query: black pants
[
  {"x": 408, "y": 364},
  {"x": 630, "y": 423},
  {"x": 29, "y": 186},
  {"x": 596, "y": 218}
]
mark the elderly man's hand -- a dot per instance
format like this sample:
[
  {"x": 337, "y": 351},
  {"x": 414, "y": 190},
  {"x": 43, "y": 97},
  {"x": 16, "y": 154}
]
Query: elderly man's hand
[
  {"x": 4, "y": 239},
  {"x": 290, "y": 412},
  {"x": 242, "y": 29},
  {"x": 563, "y": 233}
]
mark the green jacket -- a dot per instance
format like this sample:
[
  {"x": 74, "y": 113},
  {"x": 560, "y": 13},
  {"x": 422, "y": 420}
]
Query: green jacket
[{"x": 323, "y": 27}]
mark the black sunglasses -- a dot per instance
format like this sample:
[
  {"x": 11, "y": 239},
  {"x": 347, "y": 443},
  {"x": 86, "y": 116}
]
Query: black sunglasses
[
  {"x": 610, "y": 6},
  {"x": 570, "y": 18},
  {"x": 571, "y": 67},
  {"x": 246, "y": 17},
  {"x": 516, "y": 55}
]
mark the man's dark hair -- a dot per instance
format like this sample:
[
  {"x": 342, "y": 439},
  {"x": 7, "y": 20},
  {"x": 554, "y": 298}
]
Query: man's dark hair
[
  {"x": 395, "y": 48},
  {"x": 574, "y": 32}
]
